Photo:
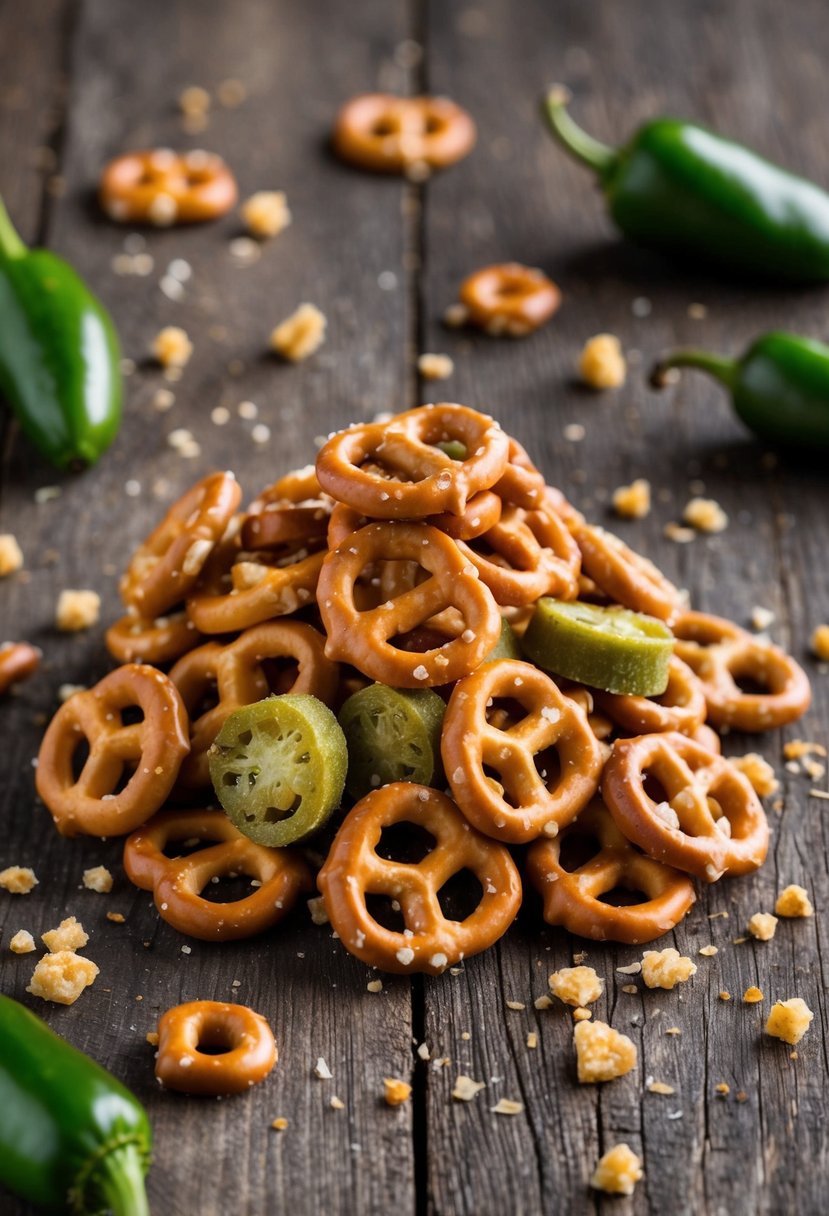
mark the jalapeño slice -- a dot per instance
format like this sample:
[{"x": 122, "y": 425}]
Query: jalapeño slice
[
  {"x": 507, "y": 646},
  {"x": 392, "y": 734}
]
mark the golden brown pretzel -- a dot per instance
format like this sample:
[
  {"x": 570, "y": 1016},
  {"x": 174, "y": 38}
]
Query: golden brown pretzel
[
  {"x": 243, "y": 1048},
  {"x": 177, "y": 882},
  {"x": 133, "y": 639},
  {"x": 509, "y": 298},
  {"x": 168, "y": 562},
  {"x": 388, "y": 134},
  {"x": 720, "y": 653},
  {"x": 572, "y": 892},
  {"x": 526, "y": 555},
  {"x": 366, "y": 639},
  {"x": 430, "y": 942},
  {"x": 259, "y": 591},
  {"x": 703, "y": 817},
  {"x": 482, "y": 512},
  {"x": 538, "y": 729},
  {"x": 294, "y": 508},
  {"x": 395, "y": 470},
  {"x": 239, "y": 675},
  {"x": 163, "y": 187},
  {"x": 680, "y": 707},
  {"x": 18, "y": 661},
  {"x": 625, "y": 576},
  {"x": 521, "y": 483},
  {"x": 153, "y": 749}
]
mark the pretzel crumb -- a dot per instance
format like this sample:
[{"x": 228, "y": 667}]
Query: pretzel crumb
[
  {"x": 759, "y": 772},
  {"x": 576, "y": 985},
  {"x": 602, "y": 1053},
  {"x": 630, "y": 989},
  {"x": 666, "y": 968},
  {"x": 17, "y": 880},
  {"x": 456, "y": 316},
  {"x": 61, "y": 977},
  {"x": 674, "y": 1030},
  {"x": 761, "y": 618},
  {"x": 542, "y": 1002},
  {"x": 117, "y": 918},
  {"x": 65, "y": 691},
  {"x": 266, "y": 213},
  {"x": 820, "y": 643},
  {"x": 98, "y": 878},
  {"x": 752, "y": 995},
  {"x": 789, "y": 1020},
  {"x": 705, "y": 515},
  {"x": 762, "y": 926},
  {"x": 423, "y": 1052},
  {"x": 171, "y": 347},
  {"x": 617, "y": 1171},
  {"x": 22, "y": 942},
  {"x": 300, "y": 334},
  {"x": 375, "y": 986},
  {"x": 336, "y": 1103},
  {"x": 659, "y": 1087},
  {"x": 69, "y": 935},
  {"x": 532, "y": 1040},
  {"x": 151, "y": 1037},
  {"x": 231, "y": 93},
  {"x": 724, "y": 995},
  {"x": 435, "y": 367},
  {"x": 279, "y": 1124},
  {"x": 582, "y": 1015},
  {"x": 708, "y": 951},
  {"x": 602, "y": 362},
  {"x": 793, "y": 901},
  {"x": 322, "y": 1071},
  {"x": 466, "y": 1089},
  {"x": 630, "y": 969},
  {"x": 678, "y": 534},
  {"x": 506, "y": 1106},
  {"x": 633, "y": 501},
  {"x": 194, "y": 101},
  {"x": 11, "y": 555},
  {"x": 722, "y": 1088},
  {"x": 395, "y": 1091},
  {"x": 77, "y": 610},
  {"x": 317, "y": 909}
]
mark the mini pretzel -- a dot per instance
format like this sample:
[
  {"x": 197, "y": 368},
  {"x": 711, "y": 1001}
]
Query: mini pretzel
[
  {"x": 177, "y": 883},
  {"x": 704, "y": 817},
  {"x": 153, "y": 748},
  {"x": 573, "y": 896},
  {"x": 239, "y": 675},
  {"x": 294, "y": 508},
  {"x": 625, "y": 576},
  {"x": 243, "y": 1039},
  {"x": 366, "y": 639},
  {"x": 18, "y": 661},
  {"x": 680, "y": 707},
  {"x": 164, "y": 187},
  {"x": 482, "y": 513},
  {"x": 167, "y": 564},
  {"x": 388, "y": 134},
  {"x": 720, "y": 653},
  {"x": 430, "y": 942},
  {"x": 546, "y": 731},
  {"x": 259, "y": 590},
  {"x": 509, "y": 299},
  {"x": 133, "y": 639},
  {"x": 526, "y": 555},
  {"x": 521, "y": 483},
  {"x": 394, "y": 470}
]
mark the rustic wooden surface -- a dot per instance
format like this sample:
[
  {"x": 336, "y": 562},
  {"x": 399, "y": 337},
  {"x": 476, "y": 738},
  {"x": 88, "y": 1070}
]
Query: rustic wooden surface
[{"x": 80, "y": 81}]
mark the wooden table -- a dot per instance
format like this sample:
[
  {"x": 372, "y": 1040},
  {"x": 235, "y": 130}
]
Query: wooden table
[{"x": 81, "y": 81}]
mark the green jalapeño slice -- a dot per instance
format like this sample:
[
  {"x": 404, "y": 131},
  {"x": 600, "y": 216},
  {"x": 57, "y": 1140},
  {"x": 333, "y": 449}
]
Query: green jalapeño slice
[
  {"x": 392, "y": 735},
  {"x": 611, "y": 648},
  {"x": 507, "y": 646},
  {"x": 278, "y": 767}
]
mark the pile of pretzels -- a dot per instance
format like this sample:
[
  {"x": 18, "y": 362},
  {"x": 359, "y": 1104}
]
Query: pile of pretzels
[{"x": 395, "y": 559}]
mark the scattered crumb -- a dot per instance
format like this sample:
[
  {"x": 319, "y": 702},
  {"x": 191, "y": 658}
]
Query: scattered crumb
[
  {"x": 697, "y": 312},
  {"x": 617, "y": 1171},
  {"x": 374, "y": 986},
  {"x": 576, "y": 985},
  {"x": 466, "y": 1089},
  {"x": 231, "y": 93},
  {"x": 633, "y": 501},
  {"x": 69, "y": 935},
  {"x": 516, "y": 1005},
  {"x": 279, "y": 1124},
  {"x": 299, "y": 335},
  {"x": 630, "y": 989},
  {"x": 789, "y": 1020},
  {"x": 77, "y": 610},
  {"x": 723, "y": 1088},
  {"x": 796, "y": 749},
  {"x": 759, "y": 772},
  {"x": 602, "y": 1053},
  {"x": 395, "y": 1091},
  {"x": 673, "y": 1030},
  {"x": 574, "y": 432},
  {"x": 117, "y": 918},
  {"x": 194, "y": 101},
  {"x": 423, "y": 1052},
  {"x": 317, "y": 909},
  {"x": 678, "y": 534},
  {"x": 794, "y": 901},
  {"x": 506, "y": 1106},
  {"x": 542, "y": 1002},
  {"x": 435, "y": 367},
  {"x": 705, "y": 515},
  {"x": 17, "y": 880},
  {"x": 762, "y": 926},
  {"x": 336, "y": 1103},
  {"x": 11, "y": 555},
  {"x": 820, "y": 643},
  {"x": 630, "y": 969},
  {"x": 708, "y": 951},
  {"x": 152, "y": 1038},
  {"x": 761, "y": 618},
  {"x": 532, "y": 1040},
  {"x": 602, "y": 363},
  {"x": 22, "y": 942},
  {"x": 659, "y": 1087},
  {"x": 582, "y": 1015},
  {"x": 266, "y": 213},
  {"x": 62, "y": 977},
  {"x": 752, "y": 995},
  {"x": 65, "y": 691},
  {"x": 666, "y": 968},
  {"x": 455, "y": 316},
  {"x": 322, "y": 1071},
  {"x": 172, "y": 347},
  {"x": 98, "y": 879},
  {"x": 724, "y": 995},
  {"x": 819, "y": 794}
]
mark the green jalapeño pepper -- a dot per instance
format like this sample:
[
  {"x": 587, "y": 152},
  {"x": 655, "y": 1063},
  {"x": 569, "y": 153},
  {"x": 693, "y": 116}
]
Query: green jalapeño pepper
[
  {"x": 681, "y": 189},
  {"x": 59, "y": 354},
  {"x": 72, "y": 1138},
  {"x": 780, "y": 387}
]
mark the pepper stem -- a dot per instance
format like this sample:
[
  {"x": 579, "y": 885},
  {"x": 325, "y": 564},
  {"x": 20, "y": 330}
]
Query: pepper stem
[
  {"x": 718, "y": 366},
  {"x": 11, "y": 245},
  {"x": 583, "y": 146},
  {"x": 118, "y": 1181}
]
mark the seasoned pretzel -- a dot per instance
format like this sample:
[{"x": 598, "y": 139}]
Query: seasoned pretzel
[
  {"x": 395, "y": 470},
  {"x": 388, "y": 134},
  {"x": 177, "y": 883},
  {"x": 509, "y": 298},
  {"x": 521, "y": 483},
  {"x": 294, "y": 508},
  {"x": 163, "y": 187},
  {"x": 153, "y": 749},
  {"x": 133, "y": 639},
  {"x": 240, "y": 674},
  {"x": 572, "y": 895},
  {"x": 703, "y": 817},
  {"x": 720, "y": 653},
  {"x": 627, "y": 577},
  {"x": 243, "y": 1048},
  {"x": 547, "y": 760},
  {"x": 18, "y": 661},
  {"x": 680, "y": 707},
  {"x": 430, "y": 942},
  {"x": 258, "y": 592},
  {"x": 167, "y": 564},
  {"x": 366, "y": 639},
  {"x": 482, "y": 512},
  {"x": 526, "y": 555}
]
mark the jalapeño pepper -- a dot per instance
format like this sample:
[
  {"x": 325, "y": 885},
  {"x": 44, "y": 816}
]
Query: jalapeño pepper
[
  {"x": 779, "y": 387},
  {"x": 681, "y": 189},
  {"x": 59, "y": 354},
  {"x": 72, "y": 1138}
]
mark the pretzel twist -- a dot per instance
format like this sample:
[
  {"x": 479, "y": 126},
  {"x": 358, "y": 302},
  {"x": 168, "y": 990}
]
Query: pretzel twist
[
  {"x": 430, "y": 942},
  {"x": 681, "y": 707},
  {"x": 133, "y": 639},
  {"x": 18, "y": 661},
  {"x": 527, "y": 554},
  {"x": 244, "y": 1041},
  {"x": 509, "y": 298},
  {"x": 259, "y": 591},
  {"x": 164, "y": 187},
  {"x": 389, "y": 134},
  {"x": 572, "y": 895},
  {"x": 625, "y": 576},
  {"x": 293, "y": 509}
]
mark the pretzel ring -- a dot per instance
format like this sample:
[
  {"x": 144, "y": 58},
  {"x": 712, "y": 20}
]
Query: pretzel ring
[
  {"x": 364, "y": 639},
  {"x": 526, "y": 555},
  {"x": 482, "y": 512},
  {"x": 720, "y": 653},
  {"x": 294, "y": 508},
  {"x": 259, "y": 591},
  {"x": 680, "y": 707},
  {"x": 572, "y": 895},
  {"x": 134, "y": 639},
  {"x": 627, "y": 577},
  {"x": 154, "y": 748},
  {"x": 395, "y": 470},
  {"x": 167, "y": 564},
  {"x": 521, "y": 483},
  {"x": 548, "y": 730},
  {"x": 388, "y": 134},
  {"x": 430, "y": 942},
  {"x": 164, "y": 187},
  {"x": 509, "y": 298},
  {"x": 177, "y": 883},
  {"x": 243, "y": 1039},
  {"x": 239, "y": 675},
  {"x": 18, "y": 661},
  {"x": 708, "y": 821}
]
